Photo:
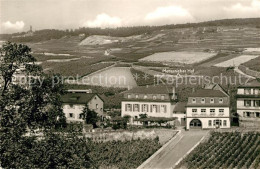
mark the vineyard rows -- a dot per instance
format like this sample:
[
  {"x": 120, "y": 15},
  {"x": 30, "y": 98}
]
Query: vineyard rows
[{"x": 227, "y": 150}]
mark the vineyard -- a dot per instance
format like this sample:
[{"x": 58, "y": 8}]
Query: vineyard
[
  {"x": 226, "y": 150},
  {"x": 122, "y": 154}
]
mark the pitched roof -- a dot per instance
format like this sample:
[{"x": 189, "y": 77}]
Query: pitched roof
[
  {"x": 180, "y": 107},
  {"x": 151, "y": 90},
  {"x": 77, "y": 98},
  {"x": 252, "y": 83},
  {"x": 208, "y": 93}
]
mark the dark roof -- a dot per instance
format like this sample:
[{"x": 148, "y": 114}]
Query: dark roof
[
  {"x": 77, "y": 98},
  {"x": 208, "y": 93},
  {"x": 180, "y": 107},
  {"x": 252, "y": 83},
  {"x": 151, "y": 90}
]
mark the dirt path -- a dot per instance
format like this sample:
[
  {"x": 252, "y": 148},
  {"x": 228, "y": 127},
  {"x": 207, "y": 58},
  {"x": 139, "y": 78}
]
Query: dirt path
[{"x": 177, "y": 148}]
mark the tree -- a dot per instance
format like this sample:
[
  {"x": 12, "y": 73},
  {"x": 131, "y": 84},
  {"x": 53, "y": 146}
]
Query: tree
[
  {"x": 90, "y": 116},
  {"x": 30, "y": 106},
  {"x": 13, "y": 57}
]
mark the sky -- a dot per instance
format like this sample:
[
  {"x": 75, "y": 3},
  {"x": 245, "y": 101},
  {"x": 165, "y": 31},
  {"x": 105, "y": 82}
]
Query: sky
[{"x": 18, "y": 15}]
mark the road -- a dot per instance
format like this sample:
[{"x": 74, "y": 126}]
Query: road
[{"x": 175, "y": 150}]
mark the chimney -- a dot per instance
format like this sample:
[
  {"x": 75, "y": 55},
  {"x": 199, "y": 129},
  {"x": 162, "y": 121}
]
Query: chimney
[{"x": 173, "y": 90}]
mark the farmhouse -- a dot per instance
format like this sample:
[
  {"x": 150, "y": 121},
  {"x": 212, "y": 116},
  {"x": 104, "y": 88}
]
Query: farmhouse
[
  {"x": 155, "y": 101},
  {"x": 208, "y": 108},
  {"x": 75, "y": 100},
  {"x": 248, "y": 104}
]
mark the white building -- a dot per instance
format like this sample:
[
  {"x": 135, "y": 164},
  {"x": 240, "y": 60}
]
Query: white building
[
  {"x": 208, "y": 108},
  {"x": 248, "y": 104},
  {"x": 75, "y": 100},
  {"x": 155, "y": 101}
]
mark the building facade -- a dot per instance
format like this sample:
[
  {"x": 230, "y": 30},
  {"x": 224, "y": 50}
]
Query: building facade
[
  {"x": 75, "y": 100},
  {"x": 248, "y": 103},
  {"x": 155, "y": 101},
  {"x": 208, "y": 109}
]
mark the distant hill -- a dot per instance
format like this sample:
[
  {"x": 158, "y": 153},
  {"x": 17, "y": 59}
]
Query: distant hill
[{"x": 47, "y": 34}]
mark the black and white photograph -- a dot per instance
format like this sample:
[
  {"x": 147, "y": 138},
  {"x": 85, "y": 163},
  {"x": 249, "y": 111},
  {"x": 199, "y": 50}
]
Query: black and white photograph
[{"x": 130, "y": 84}]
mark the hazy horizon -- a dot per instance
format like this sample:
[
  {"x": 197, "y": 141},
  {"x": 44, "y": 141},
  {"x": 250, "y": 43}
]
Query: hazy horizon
[{"x": 18, "y": 15}]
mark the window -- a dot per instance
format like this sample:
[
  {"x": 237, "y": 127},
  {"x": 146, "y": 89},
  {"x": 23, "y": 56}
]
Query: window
[
  {"x": 145, "y": 108},
  {"x": 256, "y": 91},
  {"x": 163, "y": 108},
  {"x": 256, "y": 103},
  {"x": 128, "y": 107},
  {"x": 210, "y": 123},
  {"x": 194, "y": 110},
  {"x": 145, "y": 96},
  {"x": 221, "y": 112},
  {"x": 220, "y": 100},
  {"x": 203, "y": 112},
  {"x": 211, "y": 100},
  {"x": 257, "y": 114},
  {"x": 247, "y": 91},
  {"x": 154, "y": 108},
  {"x": 96, "y": 106},
  {"x": 217, "y": 123},
  {"x": 224, "y": 122},
  {"x": 129, "y": 96},
  {"x": 71, "y": 115},
  {"x": 162, "y": 97},
  {"x": 136, "y": 107},
  {"x": 154, "y": 97},
  {"x": 80, "y": 116},
  {"x": 136, "y": 96},
  {"x": 203, "y": 100},
  {"x": 247, "y": 103},
  {"x": 193, "y": 100},
  {"x": 212, "y": 112}
]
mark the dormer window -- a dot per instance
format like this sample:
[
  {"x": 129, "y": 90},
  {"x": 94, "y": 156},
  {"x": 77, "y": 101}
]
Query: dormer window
[
  {"x": 193, "y": 100},
  {"x": 162, "y": 97},
  {"x": 211, "y": 100},
  {"x": 154, "y": 97},
  {"x": 137, "y": 96},
  {"x": 220, "y": 100},
  {"x": 145, "y": 96},
  {"x": 129, "y": 96},
  {"x": 202, "y": 100}
]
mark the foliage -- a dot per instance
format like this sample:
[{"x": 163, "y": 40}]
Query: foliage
[
  {"x": 52, "y": 151},
  {"x": 119, "y": 122},
  {"x": 127, "y": 154},
  {"x": 226, "y": 150},
  {"x": 90, "y": 116},
  {"x": 30, "y": 106}
]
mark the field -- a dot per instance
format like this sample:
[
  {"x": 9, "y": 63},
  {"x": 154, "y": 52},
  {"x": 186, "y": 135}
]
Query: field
[
  {"x": 226, "y": 150},
  {"x": 253, "y": 64},
  {"x": 127, "y": 154},
  {"x": 236, "y": 61},
  {"x": 113, "y": 77},
  {"x": 178, "y": 57}
]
